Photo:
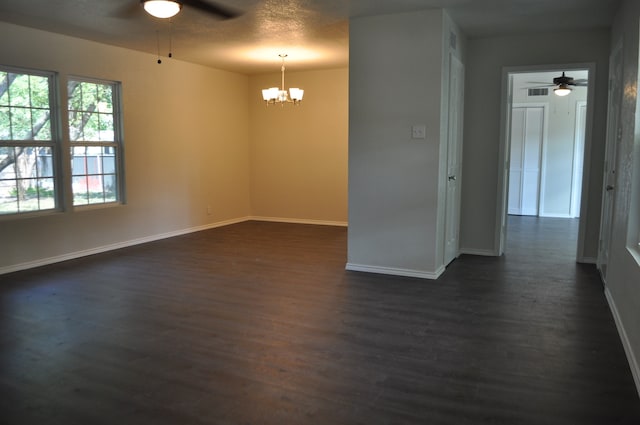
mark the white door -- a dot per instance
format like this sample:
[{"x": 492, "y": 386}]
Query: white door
[
  {"x": 454, "y": 154},
  {"x": 614, "y": 133},
  {"x": 527, "y": 131}
]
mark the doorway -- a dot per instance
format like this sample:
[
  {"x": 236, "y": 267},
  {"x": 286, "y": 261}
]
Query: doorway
[{"x": 544, "y": 146}]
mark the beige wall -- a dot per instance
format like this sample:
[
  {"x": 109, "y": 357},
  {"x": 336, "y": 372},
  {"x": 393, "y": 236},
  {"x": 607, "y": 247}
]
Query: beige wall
[
  {"x": 195, "y": 137},
  {"x": 299, "y": 153},
  {"x": 186, "y": 142}
]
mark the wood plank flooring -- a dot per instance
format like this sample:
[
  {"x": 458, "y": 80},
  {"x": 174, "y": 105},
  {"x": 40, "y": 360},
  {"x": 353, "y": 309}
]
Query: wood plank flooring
[{"x": 259, "y": 323}]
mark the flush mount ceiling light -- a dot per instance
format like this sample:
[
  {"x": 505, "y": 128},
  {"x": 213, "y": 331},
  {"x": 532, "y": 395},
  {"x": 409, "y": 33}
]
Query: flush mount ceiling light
[
  {"x": 273, "y": 95},
  {"x": 162, "y": 8},
  {"x": 562, "y": 90}
]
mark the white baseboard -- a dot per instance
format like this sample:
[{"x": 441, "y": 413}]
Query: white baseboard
[
  {"x": 395, "y": 271},
  {"x": 631, "y": 357},
  {"x": 483, "y": 252},
  {"x": 299, "y": 221},
  {"x": 111, "y": 247},
  {"x": 556, "y": 215},
  {"x": 97, "y": 250},
  {"x": 587, "y": 260}
]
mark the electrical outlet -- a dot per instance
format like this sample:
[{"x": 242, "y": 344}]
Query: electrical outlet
[
  {"x": 208, "y": 209},
  {"x": 419, "y": 131}
]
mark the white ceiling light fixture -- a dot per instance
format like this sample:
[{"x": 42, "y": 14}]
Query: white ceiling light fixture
[
  {"x": 273, "y": 95},
  {"x": 162, "y": 8},
  {"x": 562, "y": 90}
]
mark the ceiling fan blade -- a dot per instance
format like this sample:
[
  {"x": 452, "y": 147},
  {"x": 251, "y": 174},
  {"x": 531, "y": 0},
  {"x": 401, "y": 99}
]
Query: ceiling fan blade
[
  {"x": 211, "y": 8},
  {"x": 127, "y": 11},
  {"x": 540, "y": 87}
]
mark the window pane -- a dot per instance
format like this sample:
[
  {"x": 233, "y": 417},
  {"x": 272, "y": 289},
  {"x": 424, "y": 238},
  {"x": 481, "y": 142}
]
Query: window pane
[
  {"x": 5, "y": 123},
  {"x": 19, "y": 90},
  {"x": 39, "y": 92},
  {"x": 5, "y": 153},
  {"x": 45, "y": 162},
  {"x": 41, "y": 124},
  {"x": 108, "y": 163},
  {"x": 91, "y": 127},
  {"x": 28, "y": 195},
  {"x": 89, "y": 96},
  {"x": 46, "y": 194},
  {"x": 92, "y": 164},
  {"x": 80, "y": 193},
  {"x": 8, "y": 197},
  {"x": 74, "y": 91},
  {"x": 78, "y": 166},
  {"x": 106, "y": 128},
  {"x": 21, "y": 123},
  {"x": 4, "y": 95},
  {"x": 75, "y": 126},
  {"x": 105, "y": 100},
  {"x": 110, "y": 188}
]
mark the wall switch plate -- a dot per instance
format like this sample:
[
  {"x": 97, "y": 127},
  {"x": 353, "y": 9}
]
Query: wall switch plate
[{"x": 419, "y": 131}]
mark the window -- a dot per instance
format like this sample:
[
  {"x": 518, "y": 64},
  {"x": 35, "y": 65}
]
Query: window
[
  {"x": 32, "y": 149},
  {"x": 95, "y": 141},
  {"x": 28, "y": 142}
]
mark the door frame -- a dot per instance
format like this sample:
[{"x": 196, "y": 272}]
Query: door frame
[
  {"x": 613, "y": 136},
  {"x": 450, "y": 253},
  {"x": 577, "y": 144},
  {"x": 506, "y": 104}
]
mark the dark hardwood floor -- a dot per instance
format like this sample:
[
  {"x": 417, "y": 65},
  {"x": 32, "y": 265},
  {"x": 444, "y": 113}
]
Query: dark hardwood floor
[{"x": 259, "y": 323}]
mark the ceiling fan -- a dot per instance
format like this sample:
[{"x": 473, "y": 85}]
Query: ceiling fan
[
  {"x": 168, "y": 8},
  {"x": 563, "y": 84}
]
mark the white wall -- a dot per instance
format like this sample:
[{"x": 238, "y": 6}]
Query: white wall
[
  {"x": 395, "y": 182},
  {"x": 186, "y": 147},
  {"x": 485, "y": 62},
  {"x": 623, "y": 273}
]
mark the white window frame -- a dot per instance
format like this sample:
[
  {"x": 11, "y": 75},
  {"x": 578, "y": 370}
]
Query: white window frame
[
  {"x": 116, "y": 144},
  {"x": 54, "y": 144},
  {"x": 61, "y": 144}
]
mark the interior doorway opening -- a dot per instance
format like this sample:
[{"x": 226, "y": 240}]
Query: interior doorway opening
[{"x": 545, "y": 146}]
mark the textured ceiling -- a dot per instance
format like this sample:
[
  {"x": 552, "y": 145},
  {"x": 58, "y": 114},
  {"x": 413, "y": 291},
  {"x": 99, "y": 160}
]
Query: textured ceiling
[{"x": 314, "y": 33}]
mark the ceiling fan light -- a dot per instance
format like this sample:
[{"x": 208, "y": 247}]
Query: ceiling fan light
[
  {"x": 562, "y": 90},
  {"x": 162, "y": 8}
]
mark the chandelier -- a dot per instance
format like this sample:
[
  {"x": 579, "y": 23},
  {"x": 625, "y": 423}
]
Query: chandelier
[{"x": 273, "y": 95}]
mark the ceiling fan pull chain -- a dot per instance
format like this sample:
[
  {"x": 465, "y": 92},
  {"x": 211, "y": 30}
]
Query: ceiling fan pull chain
[
  {"x": 158, "y": 44},
  {"x": 170, "y": 38}
]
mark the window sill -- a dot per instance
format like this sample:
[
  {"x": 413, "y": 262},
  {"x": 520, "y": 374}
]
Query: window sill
[
  {"x": 93, "y": 207},
  {"x": 29, "y": 215}
]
